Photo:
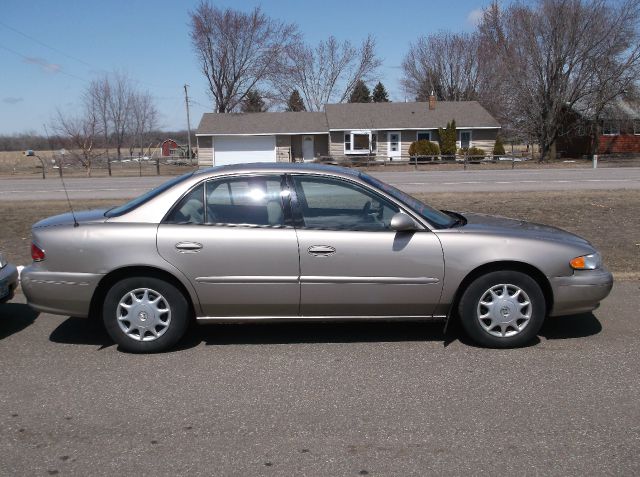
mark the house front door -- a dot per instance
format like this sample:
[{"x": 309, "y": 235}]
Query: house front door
[
  {"x": 307, "y": 148},
  {"x": 393, "y": 144}
]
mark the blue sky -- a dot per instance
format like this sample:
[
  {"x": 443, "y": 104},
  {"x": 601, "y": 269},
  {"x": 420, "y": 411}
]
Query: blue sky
[{"x": 49, "y": 51}]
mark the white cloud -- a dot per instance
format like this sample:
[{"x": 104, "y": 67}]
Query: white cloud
[
  {"x": 12, "y": 100},
  {"x": 474, "y": 16},
  {"x": 44, "y": 64}
]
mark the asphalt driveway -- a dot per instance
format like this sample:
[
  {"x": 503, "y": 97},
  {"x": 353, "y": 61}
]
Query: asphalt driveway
[{"x": 322, "y": 399}]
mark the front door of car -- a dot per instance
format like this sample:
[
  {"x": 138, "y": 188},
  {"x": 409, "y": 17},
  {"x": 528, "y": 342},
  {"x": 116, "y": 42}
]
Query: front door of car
[
  {"x": 352, "y": 263},
  {"x": 234, "y": 241}
]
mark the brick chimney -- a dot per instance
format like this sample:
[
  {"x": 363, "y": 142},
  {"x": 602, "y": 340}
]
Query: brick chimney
[{"x": 432, "y": 101}]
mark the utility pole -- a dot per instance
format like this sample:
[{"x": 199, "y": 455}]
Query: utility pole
[{"x": 186, "y": 100}]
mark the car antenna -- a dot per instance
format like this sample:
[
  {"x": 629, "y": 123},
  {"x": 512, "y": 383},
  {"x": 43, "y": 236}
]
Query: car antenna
[{"x": 64, "y": 186}]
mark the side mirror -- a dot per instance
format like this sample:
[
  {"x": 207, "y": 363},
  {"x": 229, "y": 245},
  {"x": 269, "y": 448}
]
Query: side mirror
[{"x": 401, "y": 222}]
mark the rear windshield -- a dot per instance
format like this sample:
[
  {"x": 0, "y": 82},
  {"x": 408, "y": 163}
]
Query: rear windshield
[
  {"x": 129, "y": 206},
  {"x": 438, "y": 219}
]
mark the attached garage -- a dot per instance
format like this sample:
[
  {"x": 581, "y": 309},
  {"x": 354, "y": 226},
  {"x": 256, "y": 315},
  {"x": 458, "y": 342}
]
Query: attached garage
[{"x": 240, "y": 149}]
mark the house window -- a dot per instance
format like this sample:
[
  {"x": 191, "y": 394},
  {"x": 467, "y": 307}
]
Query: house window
[
  {"x": 423, "y": 136},
  {"x": 611, "y": 128},
  {"x": 358, "y": 142},
  {"x": 465, "y": 139},
  {"x": 636, "y": 127}
]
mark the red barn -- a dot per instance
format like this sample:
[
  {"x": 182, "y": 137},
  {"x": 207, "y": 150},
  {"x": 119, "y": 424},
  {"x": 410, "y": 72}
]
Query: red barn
[{"x": 169, "y": 145}]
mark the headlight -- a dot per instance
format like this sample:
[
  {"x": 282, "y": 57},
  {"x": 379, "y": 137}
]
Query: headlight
[
  {"x": 2, "y": 261},
  {"x": 586, "y": 262}
]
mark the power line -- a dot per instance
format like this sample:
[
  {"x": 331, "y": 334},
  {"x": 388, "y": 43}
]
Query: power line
[
  {"x": 30, "y": 60},
  {"x": 45, "y": 45}
]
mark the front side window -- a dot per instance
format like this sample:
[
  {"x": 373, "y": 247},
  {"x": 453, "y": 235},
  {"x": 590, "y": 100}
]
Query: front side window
[
  {"x": 333, "y": 204},
  {"x": 245, "y": 201},
  {"x": 636, "y": 127}
]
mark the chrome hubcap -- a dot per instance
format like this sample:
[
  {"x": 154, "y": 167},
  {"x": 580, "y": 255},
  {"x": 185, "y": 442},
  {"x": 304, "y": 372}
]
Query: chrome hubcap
[
  {"x": 504, "y": 310},
  {"x": 143, "y": 314}
]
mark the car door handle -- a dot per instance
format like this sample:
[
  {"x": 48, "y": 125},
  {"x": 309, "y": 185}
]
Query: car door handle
[
  {"x": 321, "y": 250},
  {"x": 188, "y": 247}
]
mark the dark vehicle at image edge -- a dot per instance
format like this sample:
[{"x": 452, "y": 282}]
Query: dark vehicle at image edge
[
  {"x": 8, "y": 280},
  {"x": 276, "y": 242}
]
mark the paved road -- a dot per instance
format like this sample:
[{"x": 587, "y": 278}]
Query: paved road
[
  {"x": 318, "y": 400},
  {"x": 412, "y": 181}
]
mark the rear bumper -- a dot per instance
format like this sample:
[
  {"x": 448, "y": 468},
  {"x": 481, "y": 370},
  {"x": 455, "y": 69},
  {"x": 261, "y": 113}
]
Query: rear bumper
[
  {"x": 8, "y": 282},
  {"x": 581, "y": 292},
  {"x": 59, "y": 293}
]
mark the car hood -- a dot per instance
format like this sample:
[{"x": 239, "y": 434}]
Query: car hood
[
  {"x": 82, "y": 217},
  {"x": 492, "y": 224}
]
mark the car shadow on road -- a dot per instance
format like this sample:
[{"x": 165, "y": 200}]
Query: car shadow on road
[
  {"x": 297, "y": 332},
  {"x": 84, "y": 331},
  {"x": 87, "y": 331},
  {"x": 571, "y": 326},
  {"x": 15, "y": 317}
]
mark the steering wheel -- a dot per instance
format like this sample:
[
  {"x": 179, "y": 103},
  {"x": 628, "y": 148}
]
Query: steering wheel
[{"x": 366, "y": 209}]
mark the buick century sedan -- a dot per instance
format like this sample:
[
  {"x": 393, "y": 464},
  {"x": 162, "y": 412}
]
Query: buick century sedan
[{"x": 275, "y": 242}]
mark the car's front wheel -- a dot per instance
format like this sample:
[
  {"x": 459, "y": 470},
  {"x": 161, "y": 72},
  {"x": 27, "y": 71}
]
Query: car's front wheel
[
  {"x": 145, "y": 314},
  {"x": 502, "y": 309}
]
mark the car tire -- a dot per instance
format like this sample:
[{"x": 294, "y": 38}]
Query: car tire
[
  {"x": 502, "y": 309},
  {"x": 145, "y": 314}
]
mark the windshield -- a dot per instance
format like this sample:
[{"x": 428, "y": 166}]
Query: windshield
[
  {"x": 129, "y": 206},
  {"x": 438, "y": 219}
]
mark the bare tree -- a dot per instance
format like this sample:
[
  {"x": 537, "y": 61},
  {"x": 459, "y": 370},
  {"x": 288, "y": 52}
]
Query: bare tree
[
  {"x": 119, "y": 108},
  {"x": 80, "y": 133},
  {"x": 328, "y": 72},
  {"x": 143, "y": 119},
  {"x": 560, "y": 55},
  {"x": 237, "y": 51},
  {"x": 444, "y": 63},
  {"x": 99, "y": 95}
]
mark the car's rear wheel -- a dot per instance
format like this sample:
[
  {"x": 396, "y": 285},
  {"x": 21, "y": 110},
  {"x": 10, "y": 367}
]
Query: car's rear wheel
[
  {"x": 502, "y": 309},
  {"x": 145, "y": 314}
]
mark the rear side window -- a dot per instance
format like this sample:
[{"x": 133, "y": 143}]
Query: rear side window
[
  {"x": 245, "y": 201},
  {"x": 190, "y": 209}
]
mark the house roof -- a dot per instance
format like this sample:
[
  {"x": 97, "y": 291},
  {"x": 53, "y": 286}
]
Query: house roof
[
  {"x": 346, "y": 116},
  {"x": 262, "y": 123},
  {"x": 467, "y": 114}
]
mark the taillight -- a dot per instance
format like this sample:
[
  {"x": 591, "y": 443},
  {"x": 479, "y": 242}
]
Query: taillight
[{"x": 37, "y": 254}]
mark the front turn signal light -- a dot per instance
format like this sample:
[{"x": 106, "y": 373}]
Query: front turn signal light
[{"x": 586, "y": 262}]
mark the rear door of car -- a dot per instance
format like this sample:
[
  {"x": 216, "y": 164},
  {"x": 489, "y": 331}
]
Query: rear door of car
[
  {"x": 351, "y": 262},
  {"x": 234, "y": 240}
]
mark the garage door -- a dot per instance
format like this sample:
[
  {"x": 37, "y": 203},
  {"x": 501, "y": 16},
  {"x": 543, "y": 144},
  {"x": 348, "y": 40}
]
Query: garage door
[{"x": 239, "y": 149}]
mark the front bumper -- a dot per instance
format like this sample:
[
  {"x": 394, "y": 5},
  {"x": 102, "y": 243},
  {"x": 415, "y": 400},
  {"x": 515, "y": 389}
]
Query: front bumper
[
  {"x": 581, "y": 292},
  {"x": 8, "y": 282}
]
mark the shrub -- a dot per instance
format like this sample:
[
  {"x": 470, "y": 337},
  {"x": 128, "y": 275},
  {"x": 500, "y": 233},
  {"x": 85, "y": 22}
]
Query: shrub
[
  {"x": 498, "y": 148},
  {"x": 424, "y": 148},
  {"x": 471, "y": 151}
]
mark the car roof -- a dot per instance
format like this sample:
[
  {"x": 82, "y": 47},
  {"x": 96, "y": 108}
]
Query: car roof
[{"x": 279, "y": 167}]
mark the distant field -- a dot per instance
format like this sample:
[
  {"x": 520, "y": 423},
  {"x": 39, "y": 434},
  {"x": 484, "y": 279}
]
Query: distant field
[
  {"x": 16, "y": 164},
  {"x": 609, "y": 219}
]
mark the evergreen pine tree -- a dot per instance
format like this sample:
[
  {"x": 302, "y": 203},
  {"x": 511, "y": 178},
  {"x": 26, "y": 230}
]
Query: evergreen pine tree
[
  {"x": 360, "y": 93},
  {"x": 448, "y": 138},
  {"x": 295, "y": 102},
  {"x": 498, "y": 148},
  {"x": 380, "y": 94},
  {"x": 253, "y": 103}
]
